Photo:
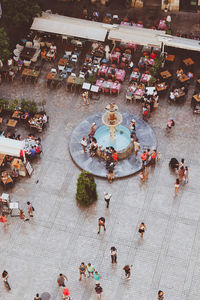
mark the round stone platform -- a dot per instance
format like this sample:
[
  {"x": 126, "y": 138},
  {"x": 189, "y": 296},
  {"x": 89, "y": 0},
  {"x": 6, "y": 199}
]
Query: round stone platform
[{"x": 96, "y": 166}]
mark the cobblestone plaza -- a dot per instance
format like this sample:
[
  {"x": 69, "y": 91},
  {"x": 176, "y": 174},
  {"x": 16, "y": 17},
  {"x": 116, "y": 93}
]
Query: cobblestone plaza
[{"x": 62, "y": 235}]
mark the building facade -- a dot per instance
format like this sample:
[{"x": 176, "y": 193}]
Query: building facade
[{"x": 171, "y": 5}]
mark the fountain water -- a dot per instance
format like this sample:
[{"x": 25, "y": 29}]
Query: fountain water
[{"x": 113, "y": 133}]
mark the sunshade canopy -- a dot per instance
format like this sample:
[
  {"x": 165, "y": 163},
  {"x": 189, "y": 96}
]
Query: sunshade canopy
[
  {"x": 178, "y": 42},
  {"x": 62, "y": 25},
  {"x": 11, "y": 147},
  {"x": 135, "y": 35}
]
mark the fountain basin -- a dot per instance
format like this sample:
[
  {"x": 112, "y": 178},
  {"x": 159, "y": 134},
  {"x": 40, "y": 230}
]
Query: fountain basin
[{"x": 121, "y": 143}]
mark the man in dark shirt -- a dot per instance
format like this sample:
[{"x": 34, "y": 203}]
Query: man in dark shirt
[
  {"x": 61, "y": 280},
  {"x": 98, "y": 290}
]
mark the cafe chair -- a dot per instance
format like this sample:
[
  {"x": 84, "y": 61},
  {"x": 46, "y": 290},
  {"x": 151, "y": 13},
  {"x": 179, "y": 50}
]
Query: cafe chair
[
  {"x": 29, "y": 44},
  {"x": 53, "y": 70}
]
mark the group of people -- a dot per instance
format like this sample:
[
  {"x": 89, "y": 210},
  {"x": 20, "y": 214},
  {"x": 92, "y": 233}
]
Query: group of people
[{"x": 149, "y": 103}]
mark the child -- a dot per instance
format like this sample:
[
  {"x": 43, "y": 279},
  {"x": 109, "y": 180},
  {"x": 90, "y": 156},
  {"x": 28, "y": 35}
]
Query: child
[{"x": 176, "y": 184}]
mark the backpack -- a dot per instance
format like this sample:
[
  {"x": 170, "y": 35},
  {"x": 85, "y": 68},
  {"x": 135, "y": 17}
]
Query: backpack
[{"x": 33, "y": 208}]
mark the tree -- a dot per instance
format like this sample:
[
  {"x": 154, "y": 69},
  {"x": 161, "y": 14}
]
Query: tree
[
  {"x": 19, "y": 13},
  {"x": 4, "y": 45},
  {"x": 86, "y": 189}
]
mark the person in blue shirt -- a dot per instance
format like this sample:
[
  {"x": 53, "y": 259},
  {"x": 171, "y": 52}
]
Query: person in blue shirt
[{"x": 33, "y": 151}]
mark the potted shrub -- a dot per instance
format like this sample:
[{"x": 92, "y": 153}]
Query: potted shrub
[{"x": 86, "y": 189}]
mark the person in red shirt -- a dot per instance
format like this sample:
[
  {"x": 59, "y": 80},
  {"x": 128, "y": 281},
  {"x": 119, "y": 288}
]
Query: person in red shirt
[
  {"x": 66, "y": 293},
  {"x": 3, "y": 220},
  {"x": 153, "y": 157},
  {"x": 115, "y": 156},
  {"x": 143, "y": 157}
]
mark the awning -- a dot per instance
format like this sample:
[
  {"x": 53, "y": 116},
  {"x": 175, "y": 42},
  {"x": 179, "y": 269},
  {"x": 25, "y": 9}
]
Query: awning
[
  {"x": 135, "y": 35},
  {"x": 178, "y": 42},
  {"x": 11, "y": 147},
  {"x": 73, "y": 27}
]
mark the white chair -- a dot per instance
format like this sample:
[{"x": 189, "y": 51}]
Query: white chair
[
  {"x": 16, "y": 52},
  {"x": 27, "y": 63},
  {"x": 19, "y": 47},
  {"x": 16, "y": 58},
  {"x": 36, "y": 45},
  {"x": 29, "y": 44},
  {"x": 61, "y": 68},
  {"x": 48, "y": 44},
  {"x": 74, "y": 58},
  {"x": 53, "y": 70}
]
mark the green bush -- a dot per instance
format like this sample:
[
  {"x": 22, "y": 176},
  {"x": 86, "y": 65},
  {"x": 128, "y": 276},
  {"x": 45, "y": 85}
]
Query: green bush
[{"x": 86, "y": 189}]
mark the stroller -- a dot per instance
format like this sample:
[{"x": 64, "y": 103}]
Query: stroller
[{"x": 174, "y": 164}]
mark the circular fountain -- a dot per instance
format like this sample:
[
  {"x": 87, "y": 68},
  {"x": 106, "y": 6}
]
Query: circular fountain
[
  {"x": 113, "y": 134},
  {"x": 119, "y": 139}
]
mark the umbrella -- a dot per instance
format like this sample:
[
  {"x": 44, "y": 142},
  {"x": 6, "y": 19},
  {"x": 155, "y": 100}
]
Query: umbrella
[{"x": 45, "y": 296}]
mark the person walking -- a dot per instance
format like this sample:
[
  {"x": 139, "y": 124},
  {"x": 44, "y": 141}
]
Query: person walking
[
  {"x": 136, "y": 147},
  {"x": 170, "y": 124},
  {"x": 5, "y": 279},
  {"x": 142, "y": 229},
  {"x": 98, "y": 290},
  {"x": 82, "y": 270},
  {"x": 127, "y": 270},
  {"x": 176, "y": 184},
  {"x": 186, "y": 175},
  {"x": 22, "y": 216},
  {"x": 61, "y": 280},
  {"x": 30, "y": 210},
  {"x": 113, "y": 252},
  {"x": 37, "y": 297},
  {"x": 107, "y": 198},
  {"x": 181, "y": 172},
  {"x": 153, "y": 157},
  {"x": 66, "y": 293},
  {"x": 3, "y": 220},
  {"x": 97, "y": 277},
  {"x": 160, "y": 295},
  {"x": 84, "y": 144},
  {"x": 90, "y": 269},
  {"x": 102, "y": 223}
]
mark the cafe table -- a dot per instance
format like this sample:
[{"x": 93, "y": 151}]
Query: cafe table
[
  {"x": 183, "y": 78},
  {"x": 115, "y": 56},
  {"x": 139, "y": 93},
  {"x": 30, "y": 73},
  {"x": 71, "y": 80},
  {"x": 103, "y": 70},
  {"x": 107, "y": 85},
  {"x": 86, "y": 86},
  {"x": 161, "y": 87},
  {"x": 120, "y": 74},
  {"x": 99, "y": 83},
  {"x": 134, "y": 76},
  {"x": 62, "y": 61},
  {"x": 145, "y": 78},
  {"x": 170, "y": 57},
  {"x": 197, "y": 97},
  {"x": 12, "y": 123},
  {"x": 188, "y": 62},
  {"x": 165, "y": 74},
  {"x": 16, "y": 114}
]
